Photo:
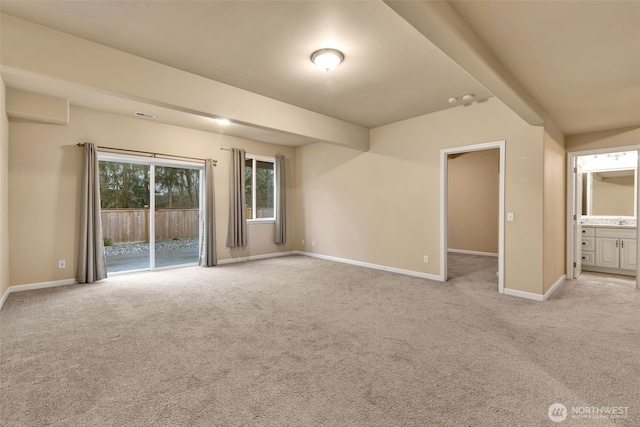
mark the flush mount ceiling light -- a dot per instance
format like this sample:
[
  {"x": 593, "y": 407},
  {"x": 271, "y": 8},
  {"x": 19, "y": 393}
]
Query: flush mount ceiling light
[
  {"x": 327, "y": 59},
  {"x": 467, "y": 98},
  {"x": 453, "y": 100}
]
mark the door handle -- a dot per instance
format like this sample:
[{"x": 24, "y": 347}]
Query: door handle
[{"x": 622, "y": 243}]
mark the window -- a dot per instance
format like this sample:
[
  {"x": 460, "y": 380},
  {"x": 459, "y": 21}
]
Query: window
[{"x": 260, "y": 189}]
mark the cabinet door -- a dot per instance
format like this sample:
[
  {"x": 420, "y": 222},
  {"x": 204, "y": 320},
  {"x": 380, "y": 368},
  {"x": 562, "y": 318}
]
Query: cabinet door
[
  {"x": 607, "y": 252},
  {"x": 628, "y": 254}
]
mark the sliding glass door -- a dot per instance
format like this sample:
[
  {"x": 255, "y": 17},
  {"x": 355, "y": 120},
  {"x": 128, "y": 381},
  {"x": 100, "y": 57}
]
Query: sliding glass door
[
  {"x": 177, "y": 216},
  {"x": 150, "y": 212}
]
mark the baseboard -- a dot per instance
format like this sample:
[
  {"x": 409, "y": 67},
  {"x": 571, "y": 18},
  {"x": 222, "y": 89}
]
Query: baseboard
[
  {"x": 256, "y": 257},
  {"x": 523, "y": 294},
  {"x": 4, "y": 297},
  {"x": 462, "y": 251},
  {"x": 33, "y": 286},
  {"x": 373, "y": 266},
  {"x": 554, "y": 287},
  {"x": 536, "y": 297}
]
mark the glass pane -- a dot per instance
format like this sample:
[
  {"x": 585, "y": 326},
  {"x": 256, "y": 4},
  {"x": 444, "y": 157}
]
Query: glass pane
[
  {"x": 264, "y": 189},
  {"x": 124, "y": 199},
  {"x": 248, "y": 183},
  {"x": 177, "y": 216}
]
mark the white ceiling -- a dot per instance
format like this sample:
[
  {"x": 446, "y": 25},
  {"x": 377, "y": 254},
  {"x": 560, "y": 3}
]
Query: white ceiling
[{"x": 579, "y": 60}]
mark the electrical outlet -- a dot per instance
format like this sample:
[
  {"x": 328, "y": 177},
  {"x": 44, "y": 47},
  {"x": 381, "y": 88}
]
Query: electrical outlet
[
  {"x": 426, "y": 258},
  {"x": 62, "y": 264},
  {"x": 313, "y": 243}
]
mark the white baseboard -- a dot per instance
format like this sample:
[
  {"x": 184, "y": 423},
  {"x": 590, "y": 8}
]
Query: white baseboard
[
  {"x": 554, "y": 287},
  {"x": 536, "y": 297},
  {"x": 255, "y": 257},
  {"x": 507, "y": 291},
  {"x": 373, "y": 266},
  {"x": 4, "y": 297},
  {"x": 32, "y": 286},
  {"x": 462, "y": 251},
  {"x": 523, "y": 294}
]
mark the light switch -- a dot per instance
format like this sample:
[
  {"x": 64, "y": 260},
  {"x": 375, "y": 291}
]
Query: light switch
[{"x": 510, "y": 216}]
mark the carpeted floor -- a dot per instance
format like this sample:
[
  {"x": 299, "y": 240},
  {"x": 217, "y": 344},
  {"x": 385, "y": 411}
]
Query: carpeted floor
[{"x": 297, "y": 341}]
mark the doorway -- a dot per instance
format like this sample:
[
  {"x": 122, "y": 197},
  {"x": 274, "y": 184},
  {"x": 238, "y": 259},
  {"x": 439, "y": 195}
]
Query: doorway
[
  {"x": 445, "y": 155},
  {"x": 602, "y": 208},
  {"x": 150, "y": 212}
]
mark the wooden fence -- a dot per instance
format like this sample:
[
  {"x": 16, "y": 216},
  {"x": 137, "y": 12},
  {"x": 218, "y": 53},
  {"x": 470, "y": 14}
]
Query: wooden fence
[{"x": 132, "y": 225}]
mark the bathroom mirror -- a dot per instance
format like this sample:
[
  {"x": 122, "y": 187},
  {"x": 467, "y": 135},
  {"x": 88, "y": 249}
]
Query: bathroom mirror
[
  {"x": 609, "y": 193},
  {"x": 609, "y": 182}
]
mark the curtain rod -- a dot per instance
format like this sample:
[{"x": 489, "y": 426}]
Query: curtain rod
[{"x": 126, "y": 150}]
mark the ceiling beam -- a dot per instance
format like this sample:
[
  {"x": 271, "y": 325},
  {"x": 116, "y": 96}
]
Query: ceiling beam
[
  {"x": 33, "y": 50},
  {"x": 442, "y": 26}
]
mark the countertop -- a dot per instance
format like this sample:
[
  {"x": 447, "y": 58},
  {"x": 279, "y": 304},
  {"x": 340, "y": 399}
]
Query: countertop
[{"x": 623, "y": 226}]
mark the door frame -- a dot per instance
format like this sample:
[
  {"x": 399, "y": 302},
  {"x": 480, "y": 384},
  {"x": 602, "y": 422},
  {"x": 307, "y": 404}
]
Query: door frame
[
  {"x": 571, "y": 185},
  {"x": 444, "y": 197}
]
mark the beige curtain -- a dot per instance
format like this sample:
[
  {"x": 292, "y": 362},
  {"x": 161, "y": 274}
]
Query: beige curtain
[
  {"x": 208, "y": 255},
  {"x": 237, "y": 234},
  {"x": 281, "y": 217},
  {"x": 92, "y": 264}
]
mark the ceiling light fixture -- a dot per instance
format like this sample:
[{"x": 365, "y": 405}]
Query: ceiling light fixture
[
  {"x": 453, "y": 100},
  {"x": 223, "y": 122},
  {"x": 327, "y": 59}
]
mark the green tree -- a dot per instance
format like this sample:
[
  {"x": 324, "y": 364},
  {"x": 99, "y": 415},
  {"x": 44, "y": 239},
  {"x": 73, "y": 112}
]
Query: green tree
[{"x": 123, "y": 185}]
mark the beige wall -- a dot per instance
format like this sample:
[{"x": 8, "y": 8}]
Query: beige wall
[
  {"x": 614, "y": 138},
  {"x": 383, "y": 206},
  {"x": 555, "y": 196},
  {"x": 4, "y": 193},
  {"x": 473, "y": 201},
  {"x": 44, "y": 165}
]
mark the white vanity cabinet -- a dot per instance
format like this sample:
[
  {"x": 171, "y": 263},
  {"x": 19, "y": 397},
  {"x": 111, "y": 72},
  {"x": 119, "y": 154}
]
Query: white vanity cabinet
[
  {"x": 629, "y": 254},
  {"x": 609, "y": 250}
]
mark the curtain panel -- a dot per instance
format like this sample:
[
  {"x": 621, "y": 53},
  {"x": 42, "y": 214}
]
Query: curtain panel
[
  {"x": 281, "y": 214},
  {"x": 92, "y": 265},
  {"x": 237, "y": 233},
  {"x": 208, "y": 255}
]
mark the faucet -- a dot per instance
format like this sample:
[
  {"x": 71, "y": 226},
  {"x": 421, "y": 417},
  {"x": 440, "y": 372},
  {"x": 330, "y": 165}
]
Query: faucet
[{"x": 620, "y": 221}]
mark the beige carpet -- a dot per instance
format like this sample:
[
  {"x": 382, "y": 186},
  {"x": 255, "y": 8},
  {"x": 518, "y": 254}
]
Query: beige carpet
[{"x": 298, "y": 341}]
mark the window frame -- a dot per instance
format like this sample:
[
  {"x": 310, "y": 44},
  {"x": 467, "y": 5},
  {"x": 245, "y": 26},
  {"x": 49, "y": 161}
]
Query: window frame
[{"x": 258, "y": 158}]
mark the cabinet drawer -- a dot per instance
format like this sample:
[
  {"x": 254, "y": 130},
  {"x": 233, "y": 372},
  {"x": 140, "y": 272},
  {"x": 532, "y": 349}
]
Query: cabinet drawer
[
  {"x": 588, "y": 231},
  {"x": 588, "y": 243},
  {"x": 588, "y": 257},
  {"x": 626, "y": 233}
]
